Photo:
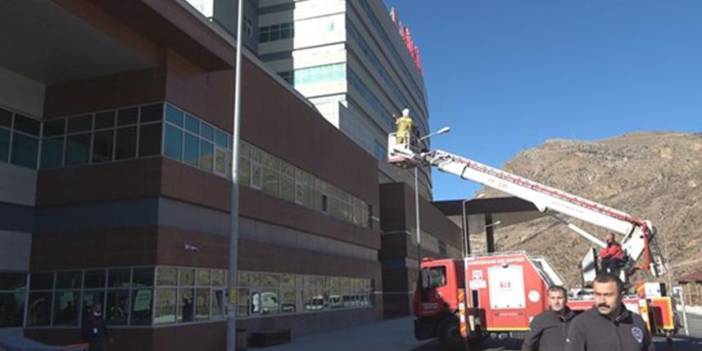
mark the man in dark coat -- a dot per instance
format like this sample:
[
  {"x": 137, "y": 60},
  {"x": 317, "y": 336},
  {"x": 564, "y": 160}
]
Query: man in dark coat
[
  {"x": 548, "y": 330},
  {"x": 608, "y": 326},
  {"x": 95, "y": 330}
]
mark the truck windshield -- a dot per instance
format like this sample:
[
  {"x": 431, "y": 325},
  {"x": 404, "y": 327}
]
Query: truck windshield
[{"x": 433, "y": 277}]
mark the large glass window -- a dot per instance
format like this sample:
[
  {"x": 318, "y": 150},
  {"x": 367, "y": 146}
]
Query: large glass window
[
  {"x": 263, "y": 171},
  {"x": 52, "y": 152},
  {"x": 191, "y": 151},
  {"x": 102, "y": 146},
  {"x": 78, "y": 149},
  {"x": 150, "y": 140},
  {"x": 4, "y": 145},
  {"x": 24, "y": 150},
  {"x": 12, "y": 298},
  {"x": 174, "y": 142},
  {"x": 126, "y": 296},
  {"x": 39, "y": 309},
  {"x": 125, "y": 147}
]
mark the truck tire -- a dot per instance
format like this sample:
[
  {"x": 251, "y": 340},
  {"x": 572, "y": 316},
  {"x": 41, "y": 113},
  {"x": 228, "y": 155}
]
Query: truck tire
[{"x": 449, "y": 333}]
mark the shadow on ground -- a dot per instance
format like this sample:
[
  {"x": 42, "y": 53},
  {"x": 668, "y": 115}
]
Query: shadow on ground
[{"x": 679, "y": 344}]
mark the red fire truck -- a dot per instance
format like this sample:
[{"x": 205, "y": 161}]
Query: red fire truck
[{"x": 500, "y": 293}]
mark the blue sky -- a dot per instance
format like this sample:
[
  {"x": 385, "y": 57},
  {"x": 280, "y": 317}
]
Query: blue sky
[{"x": 508, "y": 74}]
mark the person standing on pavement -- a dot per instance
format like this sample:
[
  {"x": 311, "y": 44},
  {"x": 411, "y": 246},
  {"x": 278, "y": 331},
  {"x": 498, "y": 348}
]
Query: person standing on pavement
[
  {"x": 95, "y": 330},
  {"x": 608, "y": 325},
  {"x": 548, "y": 330}
]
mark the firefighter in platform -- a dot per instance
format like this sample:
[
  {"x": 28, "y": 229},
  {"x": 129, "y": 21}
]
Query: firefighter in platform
[{"x": 404, "y": 126}]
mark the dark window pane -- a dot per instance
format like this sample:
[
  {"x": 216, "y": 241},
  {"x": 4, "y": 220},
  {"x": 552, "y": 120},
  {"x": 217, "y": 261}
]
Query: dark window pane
[
  {"x": 174, "y": 115},
  {"x": 4, "y": 145},
  {"x": 206, "y": 155},
  {"x": 39, "y": 309},
  {"x": 221, "y": 138},
  {"x": 186, "y": 277},
  {"x": 191, "y": 150},
  {"x": 69, "y": 280},
  {"x": 186, "y": 305},
  {"x": 141, "y": 306},
  {"x": 5, "y": 118},
  {"x": 263, "y": 37},
  {"x": 52, "y": 153},
  {"x": 11, "y": 309},
  {"x": 78, "y": 149},
  {"x": 105, "y": 120},
  {"x": 26, "y": 124},
  {"x": 151, "y": 113},
  {"x": 126, "y": 143},
  {"x": 66, "y": 308},
  {"x": 220, "y": 161},
  {"x": 167, "y": 276},
  {"x": 217, "y": 303},
  {"x": 118, "y": 278},
  {"x": 117, "y": 307},
  {"x": 90, "y": 299},
  {"x": 150, "y": 140},
  {"x": 202, "y": 304},
  {"x": 207, "y": 131},
  {"x": 174, "y": 142},
  {"x": 54, "y": 127},
  {"x": 143, "y": 277},
  {"x": 102, "y": 146},
  {"x": 80, "y": 124},
  {"x": 95, "y": 279},
  {"x": 24, "y": 151},
  {"x": 41, "y": 281},
  {"x": 165, "y": 306},
  {"x": 192, "y": 124},
  {"x": 12, "y": 281},
  {"x": 127, "y": 116}
]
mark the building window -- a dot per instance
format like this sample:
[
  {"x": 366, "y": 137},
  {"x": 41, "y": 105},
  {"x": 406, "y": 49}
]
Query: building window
[
  {"x": 24, "y": 150},
  {"x": 287, "y": 76},
  {"x": 263, "y": 171},
  {"x": 320, "y": 74},
  {"x": 276, "y": 32},
  {"x": 129, "y": 296},
  {"x": 13, "y": 291},
  {"x": 325, "y": 203}
]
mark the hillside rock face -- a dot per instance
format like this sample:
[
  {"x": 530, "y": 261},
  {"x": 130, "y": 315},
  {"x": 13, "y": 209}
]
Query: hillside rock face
[{"x": 654, "y": 176}]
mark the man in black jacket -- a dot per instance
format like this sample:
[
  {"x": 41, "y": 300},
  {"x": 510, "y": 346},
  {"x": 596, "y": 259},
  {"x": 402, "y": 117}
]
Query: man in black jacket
[
  {"x": 608, "y": 326},
  {"x": 548, "y": 330}
]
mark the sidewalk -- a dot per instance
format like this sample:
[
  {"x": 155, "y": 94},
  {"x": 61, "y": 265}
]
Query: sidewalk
[{"x": 390, "y": 335}]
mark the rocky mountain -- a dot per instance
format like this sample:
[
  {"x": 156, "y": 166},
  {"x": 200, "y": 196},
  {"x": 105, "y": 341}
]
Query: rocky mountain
[{"x": 652, "y": 175}]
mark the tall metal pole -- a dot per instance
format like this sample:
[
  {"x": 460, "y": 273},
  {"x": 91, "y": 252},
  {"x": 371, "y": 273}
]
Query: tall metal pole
[
  {"x": 234, "y": 208},
  {"x": 419, "y": 231},
  {"x": 464, "y": 229}
]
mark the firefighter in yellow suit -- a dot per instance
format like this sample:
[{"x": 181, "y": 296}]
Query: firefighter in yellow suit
[{"x": 404, "y": 128}]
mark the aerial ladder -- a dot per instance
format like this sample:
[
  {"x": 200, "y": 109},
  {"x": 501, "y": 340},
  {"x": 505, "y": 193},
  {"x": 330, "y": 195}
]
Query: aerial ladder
[{"x": 638, "y": 234}]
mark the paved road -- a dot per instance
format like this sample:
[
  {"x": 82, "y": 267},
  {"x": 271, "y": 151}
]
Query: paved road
[
  {"x": 397, "y": 335},
  {"x": 680, "y": 342}
]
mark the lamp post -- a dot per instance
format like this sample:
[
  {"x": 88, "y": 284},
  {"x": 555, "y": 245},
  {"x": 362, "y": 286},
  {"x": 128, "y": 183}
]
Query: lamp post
[
  {"x": 234, "y": 196},
  {"x": 443, "y": 130}
]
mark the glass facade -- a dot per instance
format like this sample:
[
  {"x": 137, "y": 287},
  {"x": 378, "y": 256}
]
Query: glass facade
[
  {"x": 13, "y": 294},
  {"x": 263, "y": 171},
  {"x": 266, "y": 293},
  {"x": 19, "y": 139},
  {"x": 319, "y": 74},
  {"x": 162, "y": 295},
  {"x": 276, "y": 32}
]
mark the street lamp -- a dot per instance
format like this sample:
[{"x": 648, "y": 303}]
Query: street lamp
[
  {"x": 416, "y": 205},
  {"x": 234, "y": 196}
]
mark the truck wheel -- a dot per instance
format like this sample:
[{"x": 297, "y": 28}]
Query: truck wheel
[{"x": 449, "y": 333}]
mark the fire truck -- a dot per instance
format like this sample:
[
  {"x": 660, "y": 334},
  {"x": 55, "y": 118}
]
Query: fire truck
[{"x": 499, "y": 293}]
